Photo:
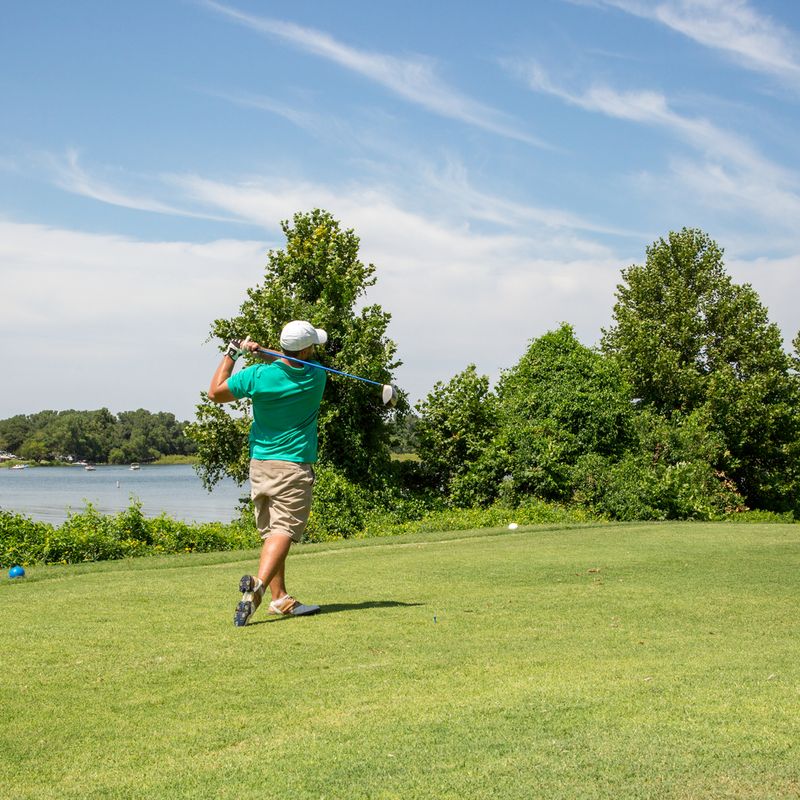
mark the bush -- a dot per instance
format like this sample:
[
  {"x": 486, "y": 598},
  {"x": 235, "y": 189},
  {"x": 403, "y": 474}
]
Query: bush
[
  {"x": 86, "y": 536},
  {"x": 636, "y": 488},
  {"x": 560, "y": 402},
  {"x": 626, "y": 490},
  {"x": 21, "y": 539},
  {"x": 339, "y": 508},
  {"x": 89, "y": 535}
]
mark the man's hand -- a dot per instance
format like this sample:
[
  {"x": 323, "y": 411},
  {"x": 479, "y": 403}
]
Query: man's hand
[
  {"x": 236, "y": 348},
  {"x": 219, "y": 392}
]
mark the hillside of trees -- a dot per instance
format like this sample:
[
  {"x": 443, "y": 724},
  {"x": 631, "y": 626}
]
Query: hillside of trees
[{"x": 95, "y": 436}]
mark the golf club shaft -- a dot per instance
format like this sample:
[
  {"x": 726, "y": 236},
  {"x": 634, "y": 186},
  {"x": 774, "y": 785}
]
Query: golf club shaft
[{"x": 317, "y": 365}]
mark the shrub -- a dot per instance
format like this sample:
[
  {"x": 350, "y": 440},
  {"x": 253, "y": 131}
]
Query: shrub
[
  {"x": 339, "y": 507},
  {"x": 560, "y": 402},
  {"x": 85, "y": 536},
  {"x": 636, "y": 488},
  {"x": 21, "y": 539}
]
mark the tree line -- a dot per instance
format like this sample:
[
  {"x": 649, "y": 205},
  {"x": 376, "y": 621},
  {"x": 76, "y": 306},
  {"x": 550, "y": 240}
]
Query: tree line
[
  {"x": 688, "y": 408},
  {"x": 95, "y": 436}
]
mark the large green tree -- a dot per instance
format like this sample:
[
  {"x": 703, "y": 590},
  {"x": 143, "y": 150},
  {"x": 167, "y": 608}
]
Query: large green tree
[
  {"x": 687, "y": 338},
  {"x": 560, "y": 402},
  {"x": 317, "y": 276}
]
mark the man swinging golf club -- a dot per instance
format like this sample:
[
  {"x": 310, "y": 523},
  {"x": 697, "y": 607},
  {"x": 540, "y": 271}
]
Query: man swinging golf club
[{"x": 286, "y": 396}]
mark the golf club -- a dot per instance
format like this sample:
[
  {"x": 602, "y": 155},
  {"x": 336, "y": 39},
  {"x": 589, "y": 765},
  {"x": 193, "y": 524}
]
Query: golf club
[{"x": 388, "y": 392}]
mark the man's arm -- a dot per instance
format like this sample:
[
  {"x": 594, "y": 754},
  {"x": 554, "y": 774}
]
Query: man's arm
[{"x": 218, "y": 391}]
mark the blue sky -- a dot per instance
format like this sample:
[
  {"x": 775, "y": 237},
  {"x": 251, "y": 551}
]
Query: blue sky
[{"x": 500, "y": 162}]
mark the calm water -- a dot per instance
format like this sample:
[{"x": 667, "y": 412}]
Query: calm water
[{"x": 46, "y": 493}]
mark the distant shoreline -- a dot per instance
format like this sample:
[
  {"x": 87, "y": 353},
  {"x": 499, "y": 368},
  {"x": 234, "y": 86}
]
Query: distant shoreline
[{"x": 164, "y": 460}]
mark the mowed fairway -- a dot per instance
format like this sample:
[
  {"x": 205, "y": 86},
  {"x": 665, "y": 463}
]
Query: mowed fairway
[{"x": 619, "y": 661}]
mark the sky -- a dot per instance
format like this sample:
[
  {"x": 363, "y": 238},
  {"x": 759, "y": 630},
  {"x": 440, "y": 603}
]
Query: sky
[{"x": 501, "y": 163}]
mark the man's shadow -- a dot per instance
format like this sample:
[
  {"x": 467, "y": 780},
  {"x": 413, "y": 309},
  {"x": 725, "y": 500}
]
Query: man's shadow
[{"x": 335, "y": 608}]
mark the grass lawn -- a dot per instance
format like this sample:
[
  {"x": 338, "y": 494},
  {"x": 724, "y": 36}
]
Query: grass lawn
[{"x": 606, "y": 661}]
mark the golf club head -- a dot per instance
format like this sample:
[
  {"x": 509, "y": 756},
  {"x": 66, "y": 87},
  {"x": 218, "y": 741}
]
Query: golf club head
[{"x": 389, "y": 395}]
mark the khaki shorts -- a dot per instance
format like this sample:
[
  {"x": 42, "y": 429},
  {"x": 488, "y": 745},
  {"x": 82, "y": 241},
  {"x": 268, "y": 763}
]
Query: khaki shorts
[{"x": 281, "y": 493}]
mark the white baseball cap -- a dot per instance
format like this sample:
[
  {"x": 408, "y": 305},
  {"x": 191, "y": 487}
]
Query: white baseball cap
[{"x": 299, "y": 334}]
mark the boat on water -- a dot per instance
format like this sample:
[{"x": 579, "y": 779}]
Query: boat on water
[
  {"x": 19, "y": 466},
  {"x": 89, "y": 468},
  {"x": 135, "y": 466}
]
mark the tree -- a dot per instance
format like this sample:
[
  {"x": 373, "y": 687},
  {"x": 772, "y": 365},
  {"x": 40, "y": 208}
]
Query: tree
[
  {"x": 141, "y": 436},
  {"x": 14, "y": 431},
  {"x": 457, "y": 423},
  {"x": 35, "y": 447},
  {"x": 319, "y": 277},
  {"x": 97, "y": 435},
  {"x": 689, "y": 338},
  {"x": 561, "y": 401}
]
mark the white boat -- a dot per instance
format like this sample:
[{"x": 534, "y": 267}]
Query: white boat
[
  {"x": 20, "y": 466},
  {"x": 135, "y": 466},
  {"x": 89, "y": 468}
]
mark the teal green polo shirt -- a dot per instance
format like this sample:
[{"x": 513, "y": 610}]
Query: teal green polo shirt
[{"x": 285, "y": 409}]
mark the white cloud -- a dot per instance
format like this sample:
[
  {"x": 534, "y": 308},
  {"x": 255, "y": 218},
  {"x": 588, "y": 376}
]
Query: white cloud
[
  {"x": 71, "y": 177},
  {"x": 107, "y": 320},
  {"x": 733, "y": 27},
  {"x": 732, "y": 172},
  {"x": 302, "y": 119},
  {"x": 119, "y": 321},
  {"x": 413, "y": 79},
  {"x": 454, "y": 187}
]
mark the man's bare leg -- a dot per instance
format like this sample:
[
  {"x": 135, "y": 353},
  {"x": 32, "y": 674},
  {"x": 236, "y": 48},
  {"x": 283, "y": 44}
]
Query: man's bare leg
[
  {"x": 277, "y": 586},
  {"x": 272, "y": 564}
]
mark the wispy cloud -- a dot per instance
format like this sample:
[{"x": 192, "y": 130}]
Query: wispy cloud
[
  {"x": 733, "y": 27},
  {"x": 453, "y": 184},
  {"x": 732, "y": 170},
  {"x": 651, "y": 108},
  {"x": 70, "y": 176},
  {"x": 413, "y": 79},
  {"x": 302, "y": 119},
  {"x": 263, "y": 201}
]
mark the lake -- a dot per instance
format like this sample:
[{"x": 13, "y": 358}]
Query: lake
[{"x": 46, "y": 493}]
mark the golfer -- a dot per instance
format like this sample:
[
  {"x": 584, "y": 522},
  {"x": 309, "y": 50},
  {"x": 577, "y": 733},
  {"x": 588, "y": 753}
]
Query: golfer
[{"x": 283, "y": 447}]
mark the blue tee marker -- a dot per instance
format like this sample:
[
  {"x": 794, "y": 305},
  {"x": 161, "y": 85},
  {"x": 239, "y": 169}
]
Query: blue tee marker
[{"x": 16, "y": 572}]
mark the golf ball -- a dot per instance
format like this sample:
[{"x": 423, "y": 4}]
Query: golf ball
[
  {"x": 16, "y": 572},
  {"x": 513, "y": 526}
]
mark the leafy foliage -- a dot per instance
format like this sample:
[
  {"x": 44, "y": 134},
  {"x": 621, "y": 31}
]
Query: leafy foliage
[
  {"x": 668, "y": 474},
  {"x": 97, "y": 436},
  {"x": 319, "y": 277},
  {"x": 560, "y": 402},
  {"x": 457, "y": 423},
  {"x": 688, "y": 338},
  {"x": 89, "y": 535}
]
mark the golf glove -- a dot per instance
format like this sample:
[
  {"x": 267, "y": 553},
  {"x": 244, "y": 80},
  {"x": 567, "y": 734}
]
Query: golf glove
[
  {"x": 234, "y": 349},
  {"x": 237, "y": 347}
]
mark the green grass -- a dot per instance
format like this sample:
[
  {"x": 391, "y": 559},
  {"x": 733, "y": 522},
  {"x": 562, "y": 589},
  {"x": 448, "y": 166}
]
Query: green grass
[
  {"x": 176, "y": 460},
  {"x": 603, "y": 661}
]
